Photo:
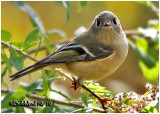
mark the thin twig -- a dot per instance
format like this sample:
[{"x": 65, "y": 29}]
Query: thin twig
[
  {"x": 129, "y": 32},
  {"x": 19, "y": 51},
  {"x": 43, "y": 98}
]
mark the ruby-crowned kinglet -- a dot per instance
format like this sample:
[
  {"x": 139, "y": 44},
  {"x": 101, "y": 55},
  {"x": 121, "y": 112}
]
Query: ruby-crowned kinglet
[{"x": 92, "y": 55}]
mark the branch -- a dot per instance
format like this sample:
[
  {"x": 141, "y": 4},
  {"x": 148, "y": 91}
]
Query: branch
[
  {"x": 43, "y": 98},
  {"x": 129, "y": 32},
  {"x": 19, "y": 51}
]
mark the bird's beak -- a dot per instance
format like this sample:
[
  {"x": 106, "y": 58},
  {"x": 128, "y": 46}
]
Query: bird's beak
[{"x": 106, "y": 24}]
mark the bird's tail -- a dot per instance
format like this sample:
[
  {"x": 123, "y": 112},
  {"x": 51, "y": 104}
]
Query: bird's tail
[{"x": 26, "y": 71}]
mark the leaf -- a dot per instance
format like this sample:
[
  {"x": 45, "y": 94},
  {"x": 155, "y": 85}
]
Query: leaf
[
  {"x": 149, "y": 109},
  {"x": 5, "y": 59},
  {"x": 45, "y": 84},
  {"x": 32, "y": 14},
  {"x": 60, "y": 93},
  {"x": 17, "y": 96},
  {"x": 143, "y": 2},
  {"x": 56, "y": 31},
  {"x": 5, "y": 35},
  {"x": 6, "y": 110},
  {"x": 17, "y": 44},
  {"x": 20, "y": 109},
  {"x": 25, "y": 49},
  {"x": 59, "y": 109},
  {"x": 47, "y": 109},
  {"x": 48, "y": 45},
  {"x": 40, "y": 40},
  {"x": 147, "y": 59},
  {"x": 3, "y": 74},
  {"x": 29, "y": 87},
  {"x": 80, "y": 30},
  {"x": 35, "y": 85},
  {"x": 151, "y": 74},
  {"x": 35, "y": 20},
  {"x": 154, "y": 24},
  {"x": 16, "y": 59},
  {"x": 31, "y": 37},
  {"x": 84, "y": 98},
  {"x": 66, "y": 4},
  {"x": 82, "y": 4}
]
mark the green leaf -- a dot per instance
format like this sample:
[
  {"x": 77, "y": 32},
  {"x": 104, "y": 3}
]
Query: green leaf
[
  {"x": 17, "y": 44},
  {"x": 25, "y": 49},
  {"x": 32, "y": 14},
  {"x": 149, "y": 109},
  {"x": 31, "y": 86},
  {"x": 35, "y": 85},
  {"x": 59, "y": 109},
  {"x": 5, "y": 59},
  {"x": 154, "y": 24},
  {"x": 31, "y": 37},
  {"x": 84, "y": 98},
  {"x": 143, "y": 2},
  {"x": 35, "y": 20},
  {"x": 82, "y": 4},
  {"x": 47, "y": 109},
  {"x": 16, "y": 59},
  {"x": 151, "y": 74},
  {"x": 40, "y": 40},
  {"x": 66, "y": 4},
  {"x": 17, "y": 96},
  {"x": 45, "y": 84},
  {"x": 48, "y": 45},
  {"x": 20, "y": 109},
  {"x": 3, "y": 74},
  {"x": 56, "y": 31},
  {"x": 60, "y": 93},
  {"x": 6, "y": 110},
  {"x": 5, "y": 35},
  {"x": 147, "y": 59}
]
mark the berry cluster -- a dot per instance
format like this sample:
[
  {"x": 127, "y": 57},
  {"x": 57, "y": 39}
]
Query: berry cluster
[{"x": 133, "y": 103}]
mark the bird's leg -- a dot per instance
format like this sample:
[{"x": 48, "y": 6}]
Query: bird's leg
[
  {"x": 74, "y": 84},
  {"x": 102, "y": 100}
]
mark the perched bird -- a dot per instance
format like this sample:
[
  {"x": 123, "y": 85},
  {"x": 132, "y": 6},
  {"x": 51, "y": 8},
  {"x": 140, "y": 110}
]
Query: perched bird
[{"x": 93, "y": 55}]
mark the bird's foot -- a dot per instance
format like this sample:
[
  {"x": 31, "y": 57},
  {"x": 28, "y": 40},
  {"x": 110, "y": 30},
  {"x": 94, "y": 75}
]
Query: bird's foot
[{"x": 74, "y": 84}]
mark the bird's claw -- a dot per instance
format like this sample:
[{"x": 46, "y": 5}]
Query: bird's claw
[{"x": 74, "y": 84}]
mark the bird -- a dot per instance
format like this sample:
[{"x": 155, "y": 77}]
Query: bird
[{"x": 92, "y": 55}]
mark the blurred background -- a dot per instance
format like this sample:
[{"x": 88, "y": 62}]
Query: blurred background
[{"x": 53, "y": 15}]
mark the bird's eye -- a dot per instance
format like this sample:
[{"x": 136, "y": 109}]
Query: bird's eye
[
  {"x": 98, "y": 23},
  {"x": 114, "y": 21}
]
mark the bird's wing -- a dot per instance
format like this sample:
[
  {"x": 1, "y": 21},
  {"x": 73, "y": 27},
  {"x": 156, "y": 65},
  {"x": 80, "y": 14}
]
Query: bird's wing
[
  {"x": 73, "y": 51},
  {"x": 70, "y": 52}
]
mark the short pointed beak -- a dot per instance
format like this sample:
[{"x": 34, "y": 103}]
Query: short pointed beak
[{"x": 107, "y": 24}]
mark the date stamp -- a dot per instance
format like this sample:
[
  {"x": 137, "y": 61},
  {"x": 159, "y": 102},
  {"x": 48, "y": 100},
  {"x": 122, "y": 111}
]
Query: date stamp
[{"x": 15, "y": 103}]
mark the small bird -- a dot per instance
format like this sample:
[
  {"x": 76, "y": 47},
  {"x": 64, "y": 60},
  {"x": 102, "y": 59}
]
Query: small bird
[{"x": 93, "y": 55}]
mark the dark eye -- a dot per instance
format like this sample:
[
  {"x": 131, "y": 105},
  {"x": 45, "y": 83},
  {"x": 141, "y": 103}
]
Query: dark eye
[
  {"x": 98, "y": 23},
  {"x": 114, "y": 21}
]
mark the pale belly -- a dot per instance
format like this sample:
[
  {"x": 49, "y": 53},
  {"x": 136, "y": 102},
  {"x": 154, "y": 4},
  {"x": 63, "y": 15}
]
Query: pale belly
[
  {"x": 90, "y": 70},
  {"x": 94, "y": 70}
]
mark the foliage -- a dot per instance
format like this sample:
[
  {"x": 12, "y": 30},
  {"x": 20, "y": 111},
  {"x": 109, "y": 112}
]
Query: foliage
[{"x": 145, "y": 44}]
